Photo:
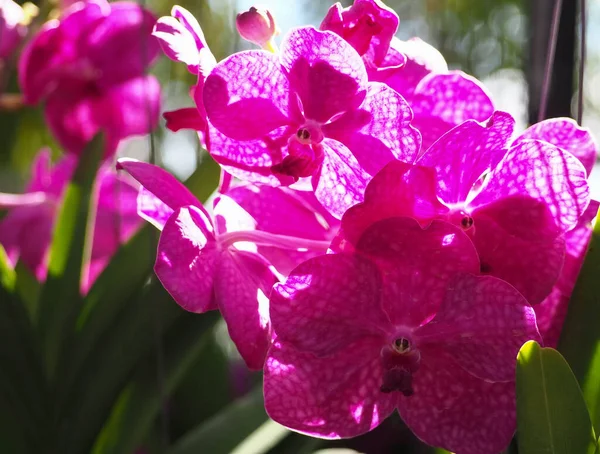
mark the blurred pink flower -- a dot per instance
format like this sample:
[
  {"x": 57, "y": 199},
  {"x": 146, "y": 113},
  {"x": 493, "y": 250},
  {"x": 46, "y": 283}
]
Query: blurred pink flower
[
  {"x": 89, "y": 67},
  {"x": 11, "y": 29},
  {"x": 26, "y": 231},
  {"x": 256, "y": 25}
]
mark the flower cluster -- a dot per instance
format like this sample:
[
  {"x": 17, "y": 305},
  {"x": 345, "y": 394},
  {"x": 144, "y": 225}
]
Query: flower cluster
[
  {"x": 382, "y": 238},
  {"x": 445, "y": 234}
]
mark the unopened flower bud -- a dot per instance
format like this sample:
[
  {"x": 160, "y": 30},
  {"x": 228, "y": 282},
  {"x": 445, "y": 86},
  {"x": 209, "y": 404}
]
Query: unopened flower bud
[
  {"x": 12, "y": 29},
  {"x": 257, "y": 25}
]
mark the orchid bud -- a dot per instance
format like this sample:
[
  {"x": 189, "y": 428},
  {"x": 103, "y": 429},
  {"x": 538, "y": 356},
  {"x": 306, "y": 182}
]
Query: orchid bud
[
  {"x": 12, "y": 29},
  {"x": 257, "y": 25}
]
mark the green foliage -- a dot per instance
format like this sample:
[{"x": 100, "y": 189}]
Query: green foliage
[
  {"x": 580, "y": 338},
  {"x": 551, "y": 412}
]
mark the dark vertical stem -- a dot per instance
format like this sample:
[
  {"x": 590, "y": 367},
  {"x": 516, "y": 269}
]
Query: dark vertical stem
[
  {"x": 582, "y": 56},
  {"x": 560, "y": 91},
  {"x": 548, "y": 69}
]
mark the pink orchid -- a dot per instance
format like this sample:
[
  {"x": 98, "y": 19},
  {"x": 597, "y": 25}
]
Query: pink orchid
[
  {"x": 415, "y": 329},
  {"x": 89, "y": 68},
  {"x": 182, "y": 40},
  {"x": 514, "y": 200},
  {"x": 257, "y": 25},
  {"x": 26, "y": 231},
  {"x": 12, "y": 30},
  {"x": 211, "y": 262},
  {"x": 307, "y": 112}
]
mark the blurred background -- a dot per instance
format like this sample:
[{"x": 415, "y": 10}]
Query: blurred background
[{"x": 502, "y": 42}]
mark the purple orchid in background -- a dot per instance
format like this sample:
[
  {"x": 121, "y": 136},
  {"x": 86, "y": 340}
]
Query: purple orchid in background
[
  {"x": 211, "y": 262},
  {"x": 257, "y": 25},
  {"x": 414, "y": 328},
  {"x": 26, "y": 231},
  {"x": 515, "y": 200},
  {"x": 307, "y": 112},
  {"x": 182, "y": 40},
  {"x": 12, "y": 30},
  {"x": 89, "y": 67}
]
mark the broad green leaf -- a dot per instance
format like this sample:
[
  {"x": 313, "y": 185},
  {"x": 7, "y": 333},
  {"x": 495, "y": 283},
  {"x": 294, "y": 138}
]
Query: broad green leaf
[
  {"x": 133, "y": 336},
  {"x": 22, "y": 388},
  {"x": 580, "y": 337},
  {"x": 552, "y": 416},
  {"x": 227, "y": 429},
  {"x": 124, "y": 275},
  {"x": 60, "y": 299},
  {"x": 141, "y": 401}
]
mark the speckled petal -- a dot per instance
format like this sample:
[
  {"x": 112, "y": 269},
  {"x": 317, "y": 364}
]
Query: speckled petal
[
  {"x": 324, "y": 70},
  {"x": 242, "y": 286},
  {"x": 342, "y": 180},
  {"x": 532, "y": 267},
  {"x": 482, "y": 323},
  {"x": 417, "y": 264},
  {"x": 329, "y": 302},
  {"x": 187, "y": 258},
  {"x": 399, "y": 189},
  {"x": 543, "y": 172},
  {"x": 457, "y": 411},
  {"x": 447, "y": 100},
  {"x": 379, "y": 130},
  {"x": 566, "y": 134},
  {"x": 249, "y": 160},
  {"x": 333, "y": 397},
  {"x": 246, "y": 95},
  {"x": 464, "y": 153}
]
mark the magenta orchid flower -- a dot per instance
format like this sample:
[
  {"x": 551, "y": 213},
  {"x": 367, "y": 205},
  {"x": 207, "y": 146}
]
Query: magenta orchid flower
[
  {"x": 515, "y": 201},
  {"x": 182, "y": 40},
  {"x": 211, "y": 262},
  {"x": 89, "y": 68},
  {"x": 313, "y": 114},
  {"x": 414, "y": 328},
  {"x": 26, "y": 231}
]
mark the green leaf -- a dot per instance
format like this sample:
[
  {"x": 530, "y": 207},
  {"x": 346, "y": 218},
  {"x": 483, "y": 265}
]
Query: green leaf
[
  {"x": 268, "y": 435},
  {"x": 134, "y": 335},
  {"x": 22, "y": 387},
  {"x": 60, "y": 299},
  {"x": 124, "y": 275},
  {"x": 580, "y": 337},
  {"x": 552, "y": 416},
  {"x": 140, "y": 402},
  {"x": 227, "y": 429}
]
